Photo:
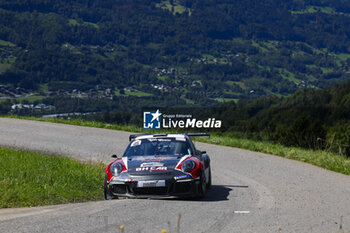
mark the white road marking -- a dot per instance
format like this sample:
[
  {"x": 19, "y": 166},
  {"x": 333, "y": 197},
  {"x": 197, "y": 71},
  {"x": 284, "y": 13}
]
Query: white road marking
[{"x": 242, "y": 212}]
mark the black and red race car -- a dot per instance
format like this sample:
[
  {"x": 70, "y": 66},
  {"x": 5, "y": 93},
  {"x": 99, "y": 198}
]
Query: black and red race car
[{"x": 159, "y": 165}]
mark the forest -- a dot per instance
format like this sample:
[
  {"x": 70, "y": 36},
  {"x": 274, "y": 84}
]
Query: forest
[
  {"x": 315, "y": 119},
  {"x": 212, "y": 50}
]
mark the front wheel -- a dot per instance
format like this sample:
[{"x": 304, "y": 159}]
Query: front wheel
[
  {"x": 107, "y": 193},
  {"x": 209, "y": 179},
  {"x": 202, "y": 189}
]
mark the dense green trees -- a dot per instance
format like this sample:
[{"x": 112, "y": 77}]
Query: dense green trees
[
  {"x": 119, "y": 43},
  {"x": 318, "y": 119}
]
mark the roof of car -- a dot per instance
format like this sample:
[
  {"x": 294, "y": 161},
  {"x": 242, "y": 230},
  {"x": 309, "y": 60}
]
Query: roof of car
[
  {"x": 161, "y": 136},
  {"x": 169, "y": 135}
]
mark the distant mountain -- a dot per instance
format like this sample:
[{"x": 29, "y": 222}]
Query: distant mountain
[{"x": 193, "y": 50}]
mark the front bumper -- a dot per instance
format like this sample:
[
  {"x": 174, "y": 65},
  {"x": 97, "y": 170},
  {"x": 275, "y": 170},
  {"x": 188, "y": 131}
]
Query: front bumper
[{"x": 173, "y": 185}]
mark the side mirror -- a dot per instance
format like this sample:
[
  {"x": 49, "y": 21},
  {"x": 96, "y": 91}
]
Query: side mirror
[
  {"x": 114, "y": 156},
  {"x": 200, "y": 152}
]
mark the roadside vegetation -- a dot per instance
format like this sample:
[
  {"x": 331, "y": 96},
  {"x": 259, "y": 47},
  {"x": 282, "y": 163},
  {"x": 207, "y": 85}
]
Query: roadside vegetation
[
  {"x": 31, "y": 179},
  {"x": 325, "y": 159}
]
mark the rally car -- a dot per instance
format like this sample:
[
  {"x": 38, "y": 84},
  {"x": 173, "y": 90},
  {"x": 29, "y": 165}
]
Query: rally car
[{"x": 159, "y": 165}]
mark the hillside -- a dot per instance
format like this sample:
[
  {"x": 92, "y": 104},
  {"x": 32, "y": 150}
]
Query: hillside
[
  {"x": 317, "y": 119},
  {"x": 195, "y": 51}
]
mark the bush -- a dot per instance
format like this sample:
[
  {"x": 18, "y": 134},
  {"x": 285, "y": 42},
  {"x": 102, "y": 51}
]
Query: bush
[{"x": 338, "y": 139}]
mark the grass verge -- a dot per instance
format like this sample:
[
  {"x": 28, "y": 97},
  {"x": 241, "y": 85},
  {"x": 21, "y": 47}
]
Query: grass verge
[
  {"x": 324, "y": 159},
  {"x": 31, "y": 179},
  {"x": 319, "y": 158}
]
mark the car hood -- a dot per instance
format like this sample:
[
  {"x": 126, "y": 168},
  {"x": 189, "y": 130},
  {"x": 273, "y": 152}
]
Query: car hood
[{"x": 147, "y": 165}]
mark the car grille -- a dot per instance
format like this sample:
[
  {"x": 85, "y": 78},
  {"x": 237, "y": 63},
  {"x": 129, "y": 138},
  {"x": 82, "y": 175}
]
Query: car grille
[
  {"x": 119, "y": 188},
  {"x": 151, "y": 191},
  {"x": 182, "y": 187}
]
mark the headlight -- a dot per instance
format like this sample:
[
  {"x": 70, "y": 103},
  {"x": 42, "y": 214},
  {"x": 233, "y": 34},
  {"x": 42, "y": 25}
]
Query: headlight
[
  {"x": 116, "y": 168},
  {"x": 188, "y": 165}
]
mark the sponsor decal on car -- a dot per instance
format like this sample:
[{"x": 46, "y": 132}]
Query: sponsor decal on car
[
  {"x": 152, "y": 164},
  {"x": 181, "y": 177},
  {"x": 135, "y": 143},
  {"x": 150, "y": 158},
  {"x": 151, "y": 183},
  {"x": 151, "y": 169}
]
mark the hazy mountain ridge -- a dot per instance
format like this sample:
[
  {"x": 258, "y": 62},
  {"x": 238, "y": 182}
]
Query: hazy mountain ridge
[{"x": 195, "y": 50}]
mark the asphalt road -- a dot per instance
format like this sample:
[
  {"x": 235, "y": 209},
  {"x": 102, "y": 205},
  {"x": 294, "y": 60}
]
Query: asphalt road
[{"x": 252, "y": 192}]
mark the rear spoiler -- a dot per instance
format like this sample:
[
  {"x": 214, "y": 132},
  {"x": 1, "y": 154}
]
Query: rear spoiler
[
  {"x": 133, "y": 136},
  {"x": 198, "y": 134}
]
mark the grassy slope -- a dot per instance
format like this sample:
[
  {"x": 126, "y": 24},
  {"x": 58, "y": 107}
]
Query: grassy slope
[
  {"x": 322, "y": 159},
  {"x": 136, "y": 93},
  {"x": 315, "y": 9},
  {"x": 31, "y": 179}
]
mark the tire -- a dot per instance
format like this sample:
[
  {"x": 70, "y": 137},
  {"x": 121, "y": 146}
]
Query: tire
[
  {"x": 202, "y": 188},
  {"x": 209, "y": 180},
  {"x": 107, "y": 193}
]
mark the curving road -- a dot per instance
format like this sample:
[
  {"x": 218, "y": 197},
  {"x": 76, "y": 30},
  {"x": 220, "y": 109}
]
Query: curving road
[{"x": 252, "y": 192}]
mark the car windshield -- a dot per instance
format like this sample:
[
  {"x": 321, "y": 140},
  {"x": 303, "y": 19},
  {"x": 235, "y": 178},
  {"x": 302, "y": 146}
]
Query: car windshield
[{"x": 158, "y": 147}]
